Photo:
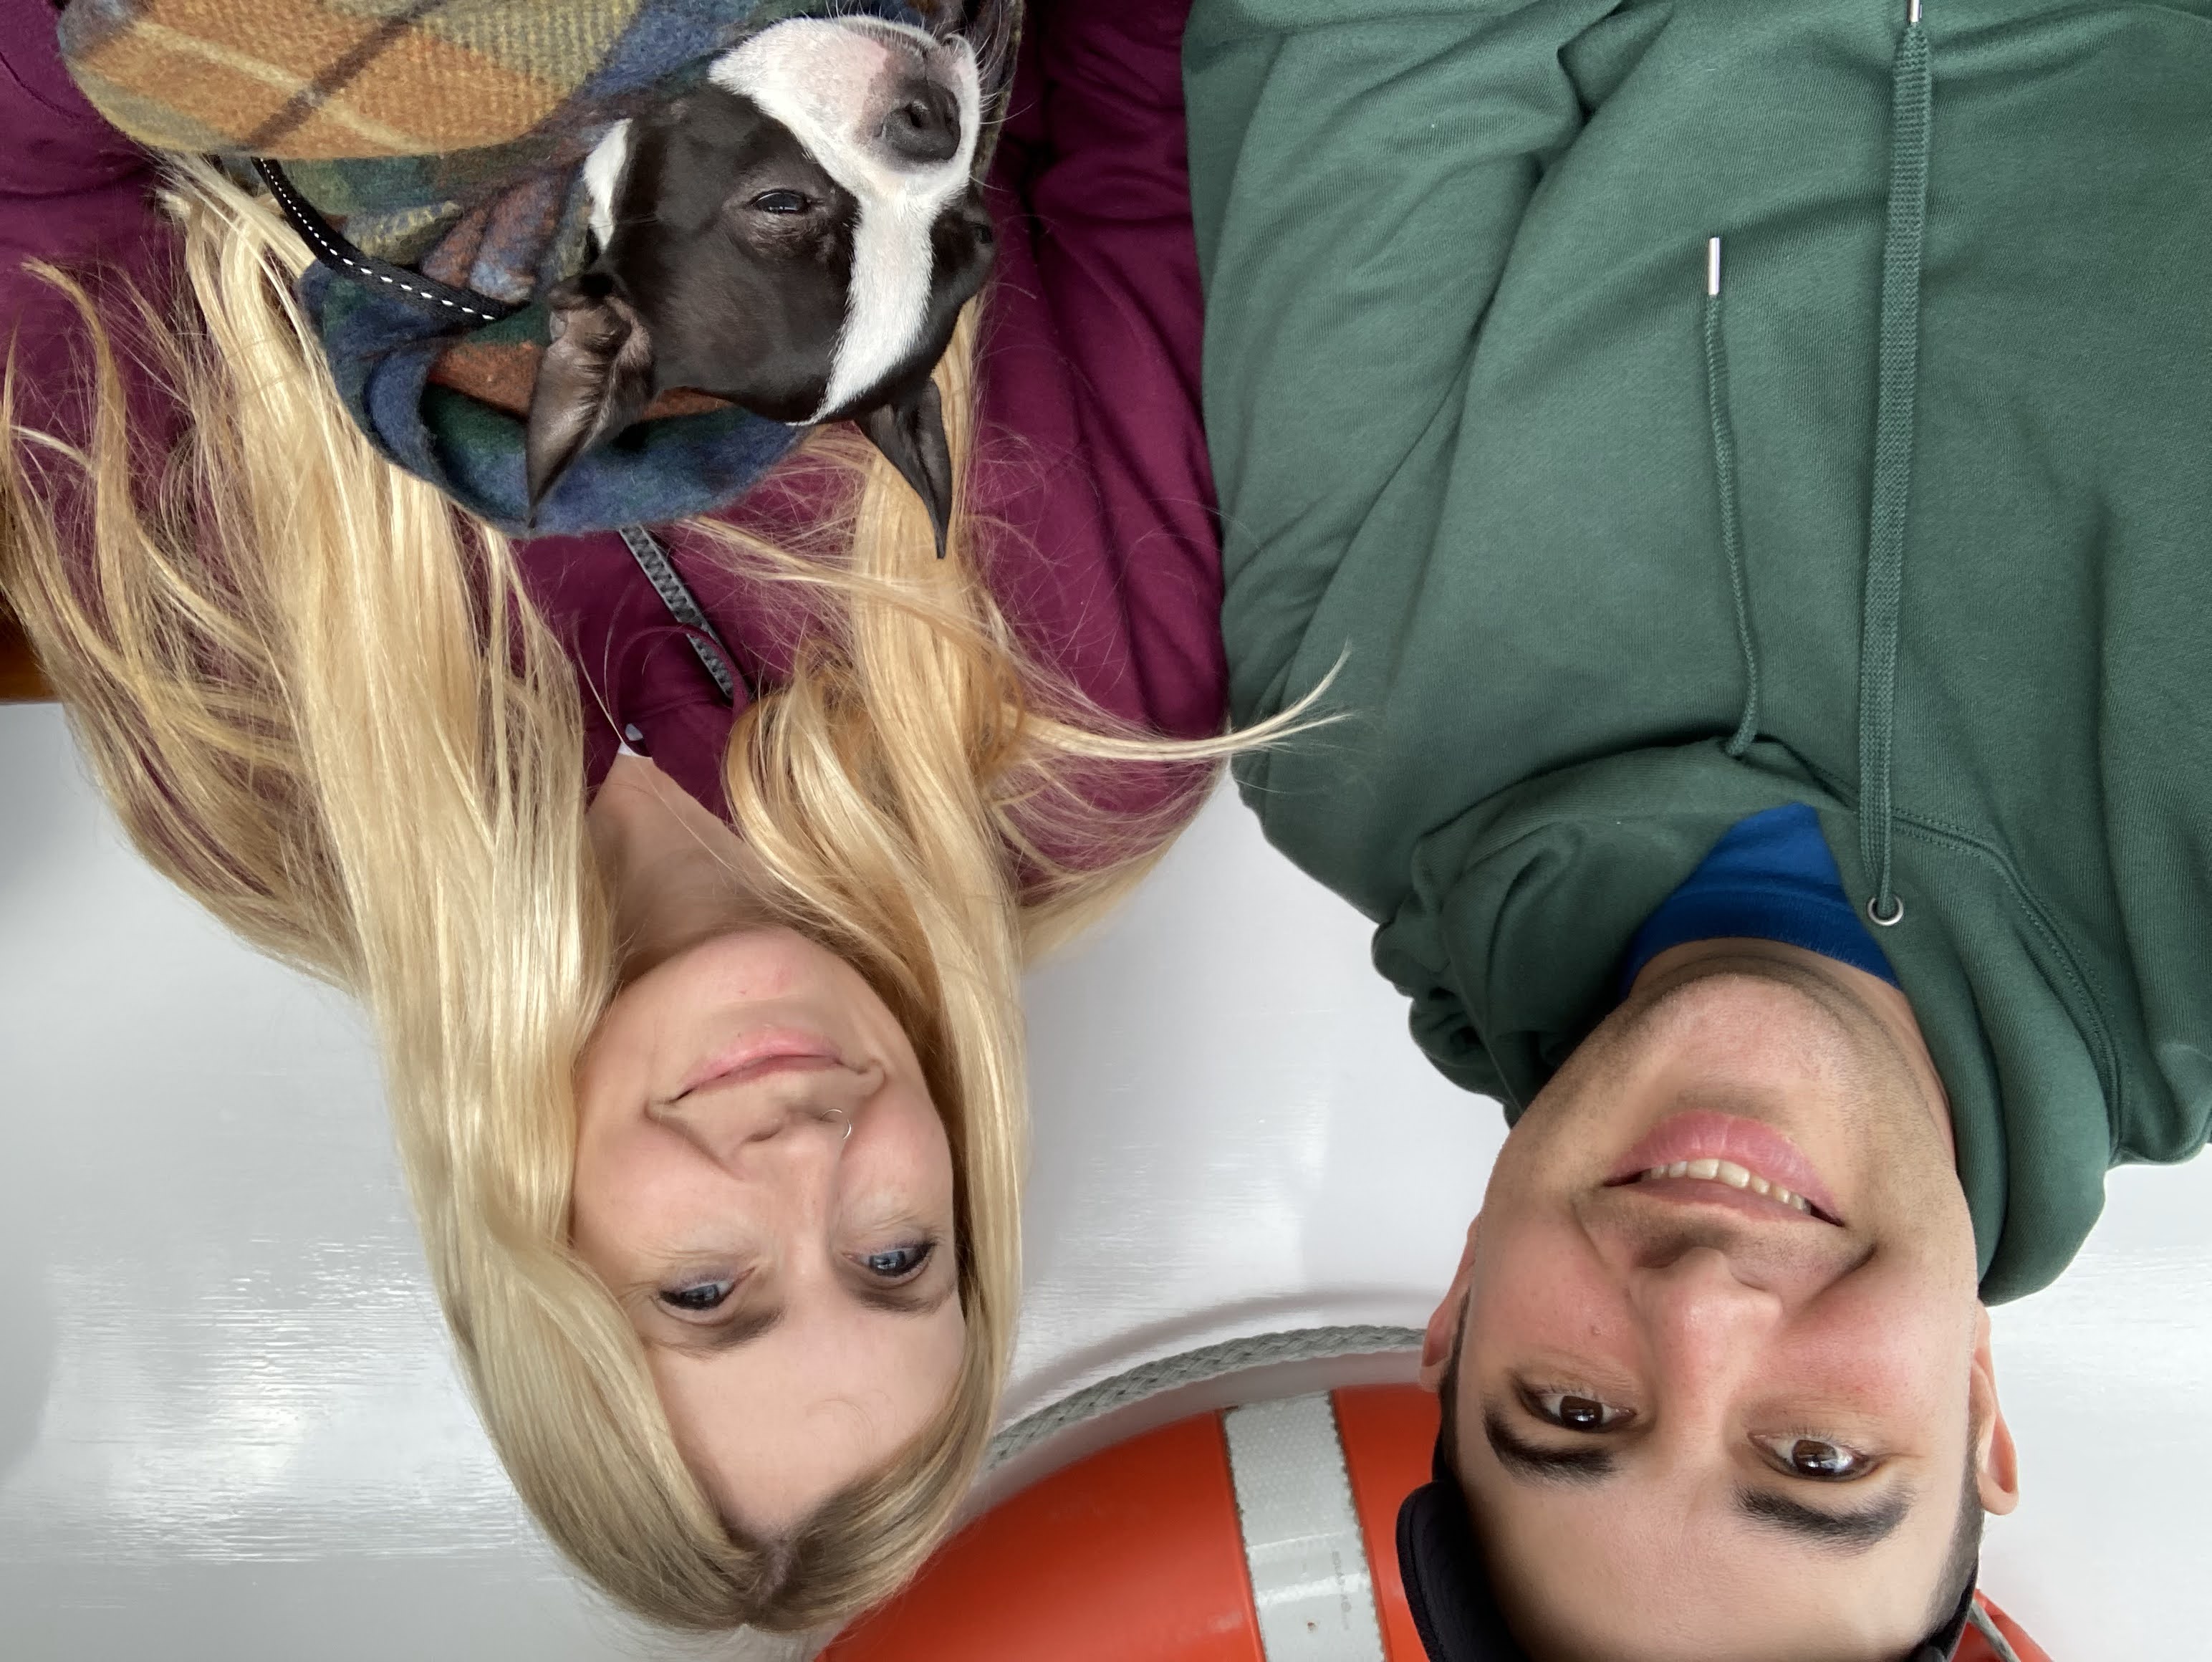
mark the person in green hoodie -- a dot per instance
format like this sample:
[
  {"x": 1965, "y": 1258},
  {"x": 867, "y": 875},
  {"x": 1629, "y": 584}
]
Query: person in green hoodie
[{"x": 1748, "y": 472}]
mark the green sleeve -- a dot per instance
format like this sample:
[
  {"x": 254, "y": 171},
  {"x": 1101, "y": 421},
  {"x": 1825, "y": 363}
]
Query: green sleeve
[{"x": 1358, "y": 173}]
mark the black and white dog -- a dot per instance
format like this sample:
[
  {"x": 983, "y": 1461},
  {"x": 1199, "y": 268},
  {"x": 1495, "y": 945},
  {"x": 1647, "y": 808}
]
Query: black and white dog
[{"x": 796, "y": 236}]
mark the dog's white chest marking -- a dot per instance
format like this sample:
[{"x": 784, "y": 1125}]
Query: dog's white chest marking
[{"x": 831, "y": 83}]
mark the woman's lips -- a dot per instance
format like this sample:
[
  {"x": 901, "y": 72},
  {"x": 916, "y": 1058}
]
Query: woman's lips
[
  {"x": 1701, "y": 1134},
  {"x": 766, "y": 1051}
]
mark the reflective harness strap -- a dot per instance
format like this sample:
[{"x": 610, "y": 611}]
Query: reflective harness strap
[
  {"x": 379, "y": 275},
  {"x": 683, "y": 607}
]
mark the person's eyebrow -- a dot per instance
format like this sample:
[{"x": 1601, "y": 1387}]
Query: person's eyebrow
[
  {"x": 1845, "y": 1532},
  {"x": 744, "y": 1329},
  {"x": 1531, "y": 1464},
  {"x": 741, "y": 1329},
  {"x": 905, "y": 1300}
]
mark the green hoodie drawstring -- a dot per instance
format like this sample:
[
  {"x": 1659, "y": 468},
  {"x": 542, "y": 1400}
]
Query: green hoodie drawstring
[
  {"x": 1911, "y": 102},
  {"x": 1717, "y": 409}
]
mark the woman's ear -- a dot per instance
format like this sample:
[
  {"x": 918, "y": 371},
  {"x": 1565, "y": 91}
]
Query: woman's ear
[
  {"x": 595, "y": 379},
  {"x": 1996, "y": 1461},
  {"x": 1441, "y": 1336}
]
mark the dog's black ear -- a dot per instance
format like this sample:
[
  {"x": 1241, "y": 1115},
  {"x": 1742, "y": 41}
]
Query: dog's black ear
[
  {"x": 910, "y": 431},
  {"x": 595, "y": 379}
]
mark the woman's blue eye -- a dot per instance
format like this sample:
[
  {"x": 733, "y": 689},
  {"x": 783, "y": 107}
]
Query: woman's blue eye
[
  {"x": 898, "y": 1263},
  {"x": 699, "y": 1299},
  {"x": 781, "y": 202}
]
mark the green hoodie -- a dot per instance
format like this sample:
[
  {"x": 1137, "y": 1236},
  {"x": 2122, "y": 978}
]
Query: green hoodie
[{"x": 1908, "y": 522}]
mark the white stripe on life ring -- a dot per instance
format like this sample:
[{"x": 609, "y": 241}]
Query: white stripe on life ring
[{"x": 1303, "y": 1547}]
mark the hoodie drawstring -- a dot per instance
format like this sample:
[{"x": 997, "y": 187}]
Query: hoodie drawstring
[
  {"x": 1912, "y": 104},
  {"x": 1717, "y": 409}
]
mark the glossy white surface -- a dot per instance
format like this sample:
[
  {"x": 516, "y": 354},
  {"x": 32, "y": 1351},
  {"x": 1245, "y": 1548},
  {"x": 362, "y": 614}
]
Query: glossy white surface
[
  {"x": 228, "y": 1428},
  {"x": 1234, "y": 1133}
]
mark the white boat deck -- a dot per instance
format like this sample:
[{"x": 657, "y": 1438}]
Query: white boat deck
[{"x": 229, "y": 1428}]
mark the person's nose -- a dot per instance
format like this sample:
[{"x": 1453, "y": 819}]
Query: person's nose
[
  {"x": 776, "y": 1121},
  {"x": 1706, "y": 1319}
]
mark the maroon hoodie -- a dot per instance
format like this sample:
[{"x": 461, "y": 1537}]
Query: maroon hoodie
[{"x": 1092, "y": 459}]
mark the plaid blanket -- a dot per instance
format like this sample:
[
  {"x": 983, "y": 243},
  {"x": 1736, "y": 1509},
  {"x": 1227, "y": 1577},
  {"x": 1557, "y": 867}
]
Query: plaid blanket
[
  {"x": 301, "y": 80},
  {"x": 442, "y": 133},
  {"x": 449, "y": 136}
]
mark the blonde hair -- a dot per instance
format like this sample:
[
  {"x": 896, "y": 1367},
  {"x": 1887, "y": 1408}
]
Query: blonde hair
[{"x": 321, "y": 700}]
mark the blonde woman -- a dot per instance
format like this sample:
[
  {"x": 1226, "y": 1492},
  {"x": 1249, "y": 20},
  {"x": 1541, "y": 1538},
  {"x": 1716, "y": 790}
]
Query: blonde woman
[{"x": 699, "y": 1008}]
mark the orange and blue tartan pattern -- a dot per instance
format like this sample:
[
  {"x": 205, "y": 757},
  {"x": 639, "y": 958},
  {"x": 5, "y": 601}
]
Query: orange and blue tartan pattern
[{"x": 324, "y": 79}]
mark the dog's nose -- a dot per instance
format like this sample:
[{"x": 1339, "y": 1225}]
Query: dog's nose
[{"x": 924, "y": 125}]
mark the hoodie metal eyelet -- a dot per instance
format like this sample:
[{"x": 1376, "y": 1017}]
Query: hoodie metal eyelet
[{"x": 1874, "y": 917}]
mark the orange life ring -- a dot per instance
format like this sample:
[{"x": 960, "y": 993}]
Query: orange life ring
[
  {"x": 1975, "y": 1648},
  {"x": 1139, "y": 1551}
]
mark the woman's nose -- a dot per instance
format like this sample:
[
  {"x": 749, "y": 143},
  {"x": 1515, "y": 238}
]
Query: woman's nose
[{"x": 786, "y": 1116}]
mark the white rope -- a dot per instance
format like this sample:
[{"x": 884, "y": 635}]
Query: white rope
[
  {"x": 1193, "y": 1367},
  {"x": 1978, "y": 1619}
]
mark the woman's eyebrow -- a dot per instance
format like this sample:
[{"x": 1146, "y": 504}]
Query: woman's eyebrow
[
  {"x": 1846, "y": 1531},
  {"x": 1532, "y": 1463},
  {"x": 741, "y": 1329},
  {"x": 750, "y": 1324},
  {"x": 904, "y": 1300}
]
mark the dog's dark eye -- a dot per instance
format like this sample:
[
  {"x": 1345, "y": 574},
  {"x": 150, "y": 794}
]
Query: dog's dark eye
[{"x": 779, "y": 202}]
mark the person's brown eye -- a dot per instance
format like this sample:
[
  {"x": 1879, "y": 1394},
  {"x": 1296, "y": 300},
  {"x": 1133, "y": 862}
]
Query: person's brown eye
[
  {"x": 1571, "y": 1410},
  {"x": 1816, "y": 1458}
]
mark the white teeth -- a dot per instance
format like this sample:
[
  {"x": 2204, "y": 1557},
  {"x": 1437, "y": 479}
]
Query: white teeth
[{"x": 1736, "y": 1177}]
